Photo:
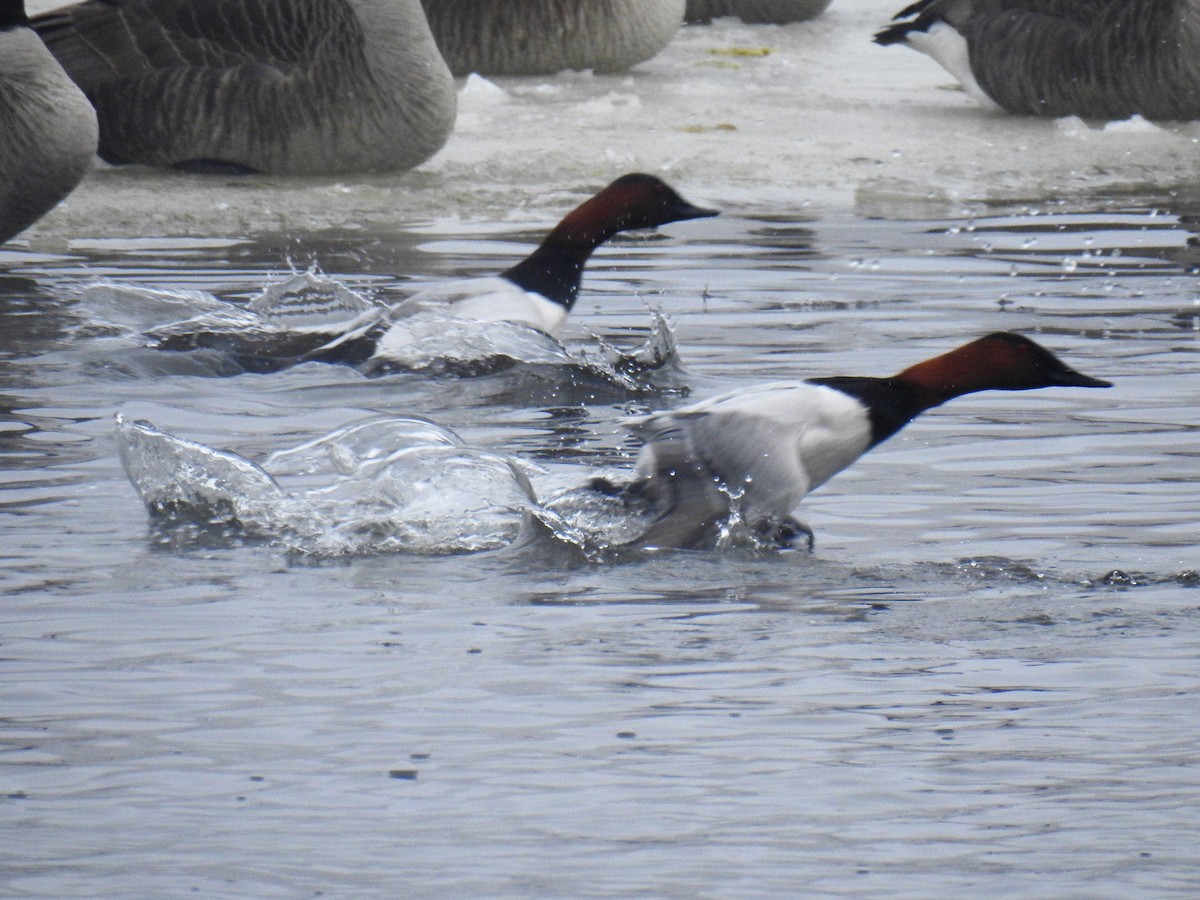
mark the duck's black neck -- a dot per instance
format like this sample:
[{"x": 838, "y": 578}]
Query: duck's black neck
[
  {"x": 890, "y": 403},
  {"x": 555, "y": 269}
]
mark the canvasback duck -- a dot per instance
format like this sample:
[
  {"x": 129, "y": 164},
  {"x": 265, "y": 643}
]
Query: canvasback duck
[
  {"x": 294, "y": 87},
  {"x": 542, "y": 37},
  {"x": 541, "y": 289},
  {"x": 757, "y": 12},
  {"x": 1097, "y": 59},
  {"x": 762, "y": 449},
  {"x": 47, "y": 127}
]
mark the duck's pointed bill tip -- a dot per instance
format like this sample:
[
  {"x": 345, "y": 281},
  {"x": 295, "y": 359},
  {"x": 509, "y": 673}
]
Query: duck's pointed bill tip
[
  {"x": 696, "y": 212},
  {"x": 1072, "y": 378}
]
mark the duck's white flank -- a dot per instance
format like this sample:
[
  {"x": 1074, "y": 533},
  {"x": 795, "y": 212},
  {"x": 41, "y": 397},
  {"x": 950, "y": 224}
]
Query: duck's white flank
[
  {"x": 490, "y": 299},
  {"x": 775, "y": 442}
]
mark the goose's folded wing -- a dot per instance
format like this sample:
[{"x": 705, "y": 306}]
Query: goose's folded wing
[{"x": 102, "y": 39}]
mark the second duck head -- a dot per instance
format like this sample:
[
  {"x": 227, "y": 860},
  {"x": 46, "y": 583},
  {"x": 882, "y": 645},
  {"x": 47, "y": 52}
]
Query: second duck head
[{"x": 631, "y": 202}]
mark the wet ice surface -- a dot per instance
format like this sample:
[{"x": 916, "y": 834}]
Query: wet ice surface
[{"x": 983, "y": 679}]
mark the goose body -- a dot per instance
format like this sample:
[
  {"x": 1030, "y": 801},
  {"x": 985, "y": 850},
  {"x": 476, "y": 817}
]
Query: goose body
[
  {"x": 775, "y": 12},
  {"x": 47, "y": 127},
  {"x": 542, "y": 37},
  {"x": 1097, "y": 59},
  {"x": 762, "y": 450},
  {"x": 289, "y": 87},
  {"x": 540, "y": 290}
]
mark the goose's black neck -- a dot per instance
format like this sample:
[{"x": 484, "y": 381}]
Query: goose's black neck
[{"x": 12, "y": 14}]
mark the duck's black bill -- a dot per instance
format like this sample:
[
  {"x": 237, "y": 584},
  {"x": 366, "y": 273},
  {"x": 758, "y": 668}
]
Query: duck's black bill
[
  {"x": 688, "y": 211},
  {"x": 1070, "y": 378}
]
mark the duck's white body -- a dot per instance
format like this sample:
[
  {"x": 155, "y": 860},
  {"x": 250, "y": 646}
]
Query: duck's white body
[
  {"x": 768, "y": 446},
  {"x": 296, "y": 87},
  {"x": 492, "y": 298},
  {"x": 48, "y": 131},
  {"x": 489, "y": 299}
]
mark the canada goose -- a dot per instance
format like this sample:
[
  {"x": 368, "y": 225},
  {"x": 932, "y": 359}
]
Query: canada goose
[
  {"x": 1097, "y": 59},
  {"x": 287, "y": 87},
  {"x": 541, "y": 37},
  {"x": 775, "y": 12},
  {"x": 47, "y": 126}
]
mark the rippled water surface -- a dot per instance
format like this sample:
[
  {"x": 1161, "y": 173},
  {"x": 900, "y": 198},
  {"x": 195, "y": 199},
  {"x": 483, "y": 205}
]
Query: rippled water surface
[{"x": 984, "y": 679}]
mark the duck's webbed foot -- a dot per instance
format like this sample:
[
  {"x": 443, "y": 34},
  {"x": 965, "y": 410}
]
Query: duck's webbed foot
[
  {"x": 630, "y": 493},
  {"x": 789, "y": 533}
]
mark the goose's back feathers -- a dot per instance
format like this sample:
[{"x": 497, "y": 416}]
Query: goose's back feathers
[
  {"x": 541, "y": 37},
  {"x": 287, "y": 87},
  {"x": 47, "y": 131},
  {"x": 1102, "y": 59}
]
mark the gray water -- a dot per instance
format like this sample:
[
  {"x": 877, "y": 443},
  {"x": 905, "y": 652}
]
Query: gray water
[{"x": 983, "y": 680}]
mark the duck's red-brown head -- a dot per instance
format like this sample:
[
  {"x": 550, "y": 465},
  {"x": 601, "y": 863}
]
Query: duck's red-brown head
[
  {"x": 1001, "y": 361},
  {"x": 632, "y": 201}
]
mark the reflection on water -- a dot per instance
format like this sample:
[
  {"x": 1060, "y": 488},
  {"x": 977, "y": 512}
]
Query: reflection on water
[{"x": 984, "y": 675}]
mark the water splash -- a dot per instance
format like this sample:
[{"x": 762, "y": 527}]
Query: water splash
[
  {"x": 279, "y": 327},
  {"x": 386, "y": 485},
  {"x": 609, "y": 518},
  {"x": 107, "y": 307},
  {"x": 351, "y": 492},
  {"x": 310, "y": 317},
  {"x": 310, "y": 300},
  {"x": 359, "y": 445},
  {"x": 434, "y": 340}
]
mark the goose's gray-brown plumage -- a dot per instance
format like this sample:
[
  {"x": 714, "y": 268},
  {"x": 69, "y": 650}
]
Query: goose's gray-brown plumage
[
  {"x": 47, "y": 126},
  {"x": 541, "y": 37},
  {"x": 1098, "y": 59},
  {"x": 294, "y": 87},
  {"x": 774, "y": 12}
]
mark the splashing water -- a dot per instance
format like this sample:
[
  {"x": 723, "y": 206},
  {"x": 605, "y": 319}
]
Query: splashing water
[
  {"x": 386, "y": 485},
  {"x": 309, "y": 317},
  {"x": 351, "y": 492}
]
